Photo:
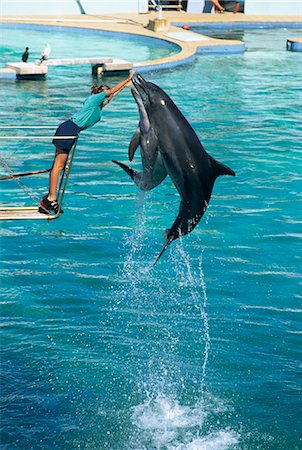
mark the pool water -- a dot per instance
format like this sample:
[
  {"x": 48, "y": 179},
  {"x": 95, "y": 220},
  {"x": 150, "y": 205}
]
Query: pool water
[
  {"x": 77, "y": 43},
  {"x": 100, "y": 350}
]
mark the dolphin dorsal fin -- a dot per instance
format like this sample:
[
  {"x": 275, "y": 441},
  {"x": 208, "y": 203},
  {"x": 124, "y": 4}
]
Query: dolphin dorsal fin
[
  {"x": 219, "y": 168},
  {"x": 134, "y": 143}
]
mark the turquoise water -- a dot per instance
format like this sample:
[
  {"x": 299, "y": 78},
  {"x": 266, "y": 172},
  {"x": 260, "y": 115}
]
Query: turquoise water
[
  {"x": 102, "y": 351},
  {"x": 77, "y": 43}
]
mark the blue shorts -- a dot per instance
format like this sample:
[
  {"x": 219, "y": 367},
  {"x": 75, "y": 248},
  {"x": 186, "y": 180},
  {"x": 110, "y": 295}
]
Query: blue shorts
[{"x": 68, "y": 128}]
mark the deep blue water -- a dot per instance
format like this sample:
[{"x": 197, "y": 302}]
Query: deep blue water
[{"x": 102, "y": 351}]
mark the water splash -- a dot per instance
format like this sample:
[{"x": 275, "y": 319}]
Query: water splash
[
  {"x": 175, "y": 411},
  {"x": 135, "y": 241},
  {"x": 163, "y": 423},
  {"x": 134, "y": 268},
  {"x": 194, "y": 279}
]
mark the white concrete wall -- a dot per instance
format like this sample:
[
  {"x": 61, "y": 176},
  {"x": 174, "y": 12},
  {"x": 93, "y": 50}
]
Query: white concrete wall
[
  {"x": 18, "y": 8},
  {"x": 199, "y": 6},
  {"x": 274, "y": 7}
]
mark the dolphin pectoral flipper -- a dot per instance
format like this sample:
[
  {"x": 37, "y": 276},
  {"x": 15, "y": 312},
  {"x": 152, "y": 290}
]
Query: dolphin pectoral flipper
[
  {"x": 134, "y": 143},
  {"x": 219, "y": 168},
  {"x": 132, "y": 173}
]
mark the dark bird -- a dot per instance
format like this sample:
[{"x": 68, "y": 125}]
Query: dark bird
[{"x": 25, "y": 55}]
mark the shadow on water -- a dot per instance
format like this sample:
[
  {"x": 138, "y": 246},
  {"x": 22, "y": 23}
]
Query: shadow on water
[
  {"x": 236, "y": 35},
  {"x": 168, "y": 334}
]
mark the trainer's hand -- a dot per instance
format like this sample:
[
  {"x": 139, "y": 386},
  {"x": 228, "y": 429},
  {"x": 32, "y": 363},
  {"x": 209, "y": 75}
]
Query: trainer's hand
[{"x": 129, "y": 79}]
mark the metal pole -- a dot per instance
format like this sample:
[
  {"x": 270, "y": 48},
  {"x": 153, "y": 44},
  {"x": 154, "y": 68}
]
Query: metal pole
[{"x": 159, "y": 11}]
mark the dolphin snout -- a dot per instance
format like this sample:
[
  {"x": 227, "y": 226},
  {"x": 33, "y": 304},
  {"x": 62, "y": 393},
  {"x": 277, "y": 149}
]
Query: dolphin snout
[
  {"x": 140, "y": 78},
  {"x": 136, "y": 83},
  {"x": 134, "y": 94},
  {"x": 139, "y": 82},
  {"x": 140, "y": 91}
]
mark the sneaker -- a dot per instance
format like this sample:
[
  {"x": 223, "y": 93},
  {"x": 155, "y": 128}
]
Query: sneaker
[{"x": 47, "y": 205}]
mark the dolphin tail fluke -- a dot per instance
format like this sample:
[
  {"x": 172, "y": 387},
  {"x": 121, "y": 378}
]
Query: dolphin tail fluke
[
  {"x": 132, "y": 173},
  {"x": 220, "y": 169},
  {"x": 168, "y": 240},
  {"x": 163, "y": 249}
]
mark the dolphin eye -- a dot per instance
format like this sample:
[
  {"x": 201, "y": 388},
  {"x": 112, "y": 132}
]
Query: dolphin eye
[{"x": 163, "y": 102}]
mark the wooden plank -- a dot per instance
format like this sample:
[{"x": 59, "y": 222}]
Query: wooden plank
[
  {"x": 24, "y": 213},
  {"x": 18, "y": 208}
]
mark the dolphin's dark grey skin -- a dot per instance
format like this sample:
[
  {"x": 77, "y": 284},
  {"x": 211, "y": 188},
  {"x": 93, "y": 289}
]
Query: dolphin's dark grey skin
[
  {"x": 192, "y": 169},
  {"x": 154, "y": 171}
]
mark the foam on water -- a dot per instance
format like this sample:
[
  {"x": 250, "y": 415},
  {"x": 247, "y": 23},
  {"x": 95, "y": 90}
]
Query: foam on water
[{"x": 163, "y": 423}]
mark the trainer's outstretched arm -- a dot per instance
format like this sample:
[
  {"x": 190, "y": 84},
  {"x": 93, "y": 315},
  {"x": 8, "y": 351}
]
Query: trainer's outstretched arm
[{"x": 110, "y": 93}]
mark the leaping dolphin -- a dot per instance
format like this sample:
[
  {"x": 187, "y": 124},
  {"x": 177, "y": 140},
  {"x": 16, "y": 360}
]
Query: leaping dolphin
[
  {"x": 154, "y": 171},
  {"x": 192, "y": 170}
]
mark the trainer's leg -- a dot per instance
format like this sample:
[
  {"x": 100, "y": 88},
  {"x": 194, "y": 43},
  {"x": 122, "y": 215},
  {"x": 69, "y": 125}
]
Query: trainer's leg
[
  {"x": 236, "y": 7},
  {"x": 58, "y": 165}
]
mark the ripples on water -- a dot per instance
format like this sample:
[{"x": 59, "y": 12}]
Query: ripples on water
[{"x": 100, "y": 349}]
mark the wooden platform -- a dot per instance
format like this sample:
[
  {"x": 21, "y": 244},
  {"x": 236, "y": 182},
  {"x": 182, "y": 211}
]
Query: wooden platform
[{"x": 24, "y": 213}]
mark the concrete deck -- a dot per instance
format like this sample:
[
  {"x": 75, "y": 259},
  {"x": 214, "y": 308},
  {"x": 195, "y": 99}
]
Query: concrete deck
[{"x": 136, "y": 24}]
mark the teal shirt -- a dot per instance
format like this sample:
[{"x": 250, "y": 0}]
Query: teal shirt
[{"x": 91, "y": 111}]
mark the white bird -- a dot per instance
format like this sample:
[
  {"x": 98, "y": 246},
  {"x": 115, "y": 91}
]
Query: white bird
[{"x": 46, "y": 52}]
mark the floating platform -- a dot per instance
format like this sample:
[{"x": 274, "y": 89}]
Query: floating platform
[
  {"x": 75, "y": 61},
  {"x": 29, "y": 71},
  {"x": 294, "y": 44},
  {"x": 24, "y": 212},
  {"x": 114, "y": 67},
  {"x": 37, "y": 70}
]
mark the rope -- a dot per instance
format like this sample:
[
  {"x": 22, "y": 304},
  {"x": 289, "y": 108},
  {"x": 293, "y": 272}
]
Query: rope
[
  {"x": 24, "y": 174},
  {"x": 25, "y": 188}
]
